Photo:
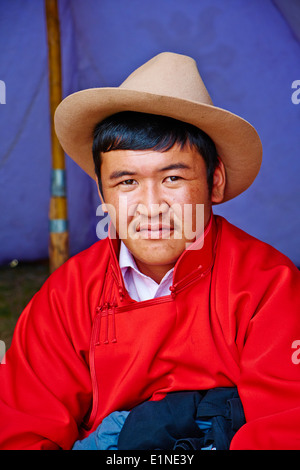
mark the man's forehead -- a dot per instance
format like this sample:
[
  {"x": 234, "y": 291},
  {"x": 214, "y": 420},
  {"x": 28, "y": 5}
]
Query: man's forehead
[{"x": 139, "y": 160}]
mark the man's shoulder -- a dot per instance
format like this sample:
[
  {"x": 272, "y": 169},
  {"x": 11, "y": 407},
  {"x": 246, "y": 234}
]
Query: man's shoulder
[
  {"x": 237, "y": 242},
  {"x": 88, "y": 263},
  {"x": 100, "y": 249}
]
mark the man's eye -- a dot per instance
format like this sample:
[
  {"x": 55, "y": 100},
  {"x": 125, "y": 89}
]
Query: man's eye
[
  {"x": 127, "y": 182},
  {"x": 173, "y": 178}
]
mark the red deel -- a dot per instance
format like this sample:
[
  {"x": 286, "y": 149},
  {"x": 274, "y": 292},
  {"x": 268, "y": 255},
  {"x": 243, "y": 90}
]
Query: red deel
[{"x": 83, "y": 348}]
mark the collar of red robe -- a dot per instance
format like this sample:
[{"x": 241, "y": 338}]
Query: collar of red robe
[{"x": 196, "y": 261}]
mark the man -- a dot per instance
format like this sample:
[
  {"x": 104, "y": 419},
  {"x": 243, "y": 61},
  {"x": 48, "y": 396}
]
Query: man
[{"x": 178, "y": 303}]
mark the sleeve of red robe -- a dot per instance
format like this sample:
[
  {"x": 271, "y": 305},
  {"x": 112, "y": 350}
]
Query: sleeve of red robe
[
  {"x": 269, "y": 384},
  {"x": 50, "y": 346}
]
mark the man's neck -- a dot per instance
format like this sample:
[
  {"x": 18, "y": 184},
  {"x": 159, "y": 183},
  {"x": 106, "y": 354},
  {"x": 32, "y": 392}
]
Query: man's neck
[{"x": 155, "y": 272}]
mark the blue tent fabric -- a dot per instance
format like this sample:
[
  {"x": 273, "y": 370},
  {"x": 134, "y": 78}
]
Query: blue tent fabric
[{"x": 248, "y": 56}]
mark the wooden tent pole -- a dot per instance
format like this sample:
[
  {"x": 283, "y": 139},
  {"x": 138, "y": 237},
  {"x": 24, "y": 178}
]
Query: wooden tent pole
[{"x": 58, "y": 223}]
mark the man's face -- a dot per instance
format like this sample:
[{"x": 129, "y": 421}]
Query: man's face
[{"x": 153, "y": 199}]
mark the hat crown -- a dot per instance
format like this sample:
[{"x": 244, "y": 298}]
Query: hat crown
[{"x": 169, "y": 74}]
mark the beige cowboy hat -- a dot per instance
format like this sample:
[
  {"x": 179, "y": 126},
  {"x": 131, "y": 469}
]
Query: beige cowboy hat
[{"x": 170, "y": 85}]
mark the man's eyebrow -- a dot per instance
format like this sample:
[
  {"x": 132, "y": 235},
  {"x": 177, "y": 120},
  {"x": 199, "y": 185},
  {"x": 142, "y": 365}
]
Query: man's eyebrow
[
  {"x": 173, "y": 166},
  {"x": 176, "y": 166},
  {"x": 120, "y": 173}
]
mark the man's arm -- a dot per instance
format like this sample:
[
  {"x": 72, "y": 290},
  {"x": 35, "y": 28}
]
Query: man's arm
[
  {"x": 269, "y": 385},
  {"x": 45, "y": 384}
]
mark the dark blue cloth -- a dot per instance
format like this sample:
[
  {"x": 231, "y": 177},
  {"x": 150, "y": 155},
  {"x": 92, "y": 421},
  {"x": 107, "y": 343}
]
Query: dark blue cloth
[
  {"x": 170, "y": 423},
  {"x": 181, "y": 421}
]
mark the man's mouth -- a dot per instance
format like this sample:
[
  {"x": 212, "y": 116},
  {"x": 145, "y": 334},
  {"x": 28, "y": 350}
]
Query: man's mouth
[{"x": 155, "y": 231}]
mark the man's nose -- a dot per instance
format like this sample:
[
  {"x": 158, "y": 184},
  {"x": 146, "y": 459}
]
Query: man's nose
[{"x": 152, "y": 202}]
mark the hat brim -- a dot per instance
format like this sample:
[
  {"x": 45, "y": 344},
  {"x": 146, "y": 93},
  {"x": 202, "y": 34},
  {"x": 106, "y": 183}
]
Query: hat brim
[{"x": 237, "y": 142}]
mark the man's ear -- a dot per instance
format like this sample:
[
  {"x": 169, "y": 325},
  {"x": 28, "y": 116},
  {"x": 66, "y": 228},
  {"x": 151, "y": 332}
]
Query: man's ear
[
  {"x": 219, "y": 183},
  {"x": 104, "y": 208}
]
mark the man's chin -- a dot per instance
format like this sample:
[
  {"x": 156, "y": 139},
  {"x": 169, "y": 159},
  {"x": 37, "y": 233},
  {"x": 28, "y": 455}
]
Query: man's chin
[{"x": 156, "y": 251}]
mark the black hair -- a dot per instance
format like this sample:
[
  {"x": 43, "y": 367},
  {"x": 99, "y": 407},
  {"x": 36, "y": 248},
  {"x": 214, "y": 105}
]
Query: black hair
[{"x": 129, "y": 130}]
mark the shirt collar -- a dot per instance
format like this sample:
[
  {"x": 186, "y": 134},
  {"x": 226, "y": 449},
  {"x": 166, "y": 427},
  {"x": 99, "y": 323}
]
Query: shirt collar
[
  {"x": 200, "y": 259},
  {"x": 126, "y": 260}
]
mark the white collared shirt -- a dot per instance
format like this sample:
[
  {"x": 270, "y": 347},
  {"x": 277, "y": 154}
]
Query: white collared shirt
[{"x": 139, "y": 286}]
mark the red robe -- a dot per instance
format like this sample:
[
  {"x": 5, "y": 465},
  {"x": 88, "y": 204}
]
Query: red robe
[{"x": 83, "y": 348}]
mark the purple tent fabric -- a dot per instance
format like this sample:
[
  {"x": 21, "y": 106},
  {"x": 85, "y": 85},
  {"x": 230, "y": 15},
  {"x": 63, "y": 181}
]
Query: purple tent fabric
[{"x": 248, "y": 56}]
